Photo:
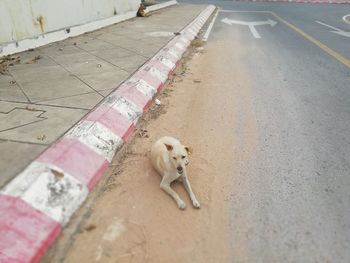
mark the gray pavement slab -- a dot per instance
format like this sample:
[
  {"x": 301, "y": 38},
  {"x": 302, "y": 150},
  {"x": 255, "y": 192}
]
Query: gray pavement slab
[
  {"x": 54, "y": 86},
  {"x": 80, "y": 101},
  {"x": 36, "y": 123},
  {"x": 46, "y": 89},
  {"x": 10, "y": 154},
  {"x": 105, "y": 80}
]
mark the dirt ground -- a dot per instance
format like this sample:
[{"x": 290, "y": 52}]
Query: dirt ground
[{"x": 131, "y": 219}]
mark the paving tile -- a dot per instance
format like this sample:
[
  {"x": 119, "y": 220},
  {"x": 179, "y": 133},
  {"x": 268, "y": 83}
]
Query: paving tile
[
  {"x": 82, "y": 101},
  {"x": 15, "y": 157},
  {"x": 38, "y": 124},
  {"x": 9, "y": 90},
  {"x": 57, "y": 51},
  {"x": 95, "y": 44},
  {"x": 147, "y": 50},
  {"x": 116, "y": 52},
  {"x": 105, "y": 80},
  {"x": 129, "y": 63},
  {"x": 119, "y": 40},
  {"x": 67, "y": 60},
  {"x": 47, "y": 89},
  {"x": 96, "y": 66},
  {"x": 30, "y": 74}
]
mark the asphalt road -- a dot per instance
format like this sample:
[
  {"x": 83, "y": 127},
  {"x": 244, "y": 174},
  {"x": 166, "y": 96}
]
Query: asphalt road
[{"x": 291, "y": 202}]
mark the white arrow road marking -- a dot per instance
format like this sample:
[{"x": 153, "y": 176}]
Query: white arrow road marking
[
  {"x": 251, "y": 25},
  {"x": 336, "y": 30},
  {"x": 346, "y": 18}
]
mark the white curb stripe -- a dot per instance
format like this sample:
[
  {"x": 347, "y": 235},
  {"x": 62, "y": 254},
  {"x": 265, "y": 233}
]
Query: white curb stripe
[
  {"x": 167, "y": 62},
  {"x": 174, "y": 54},
  {"x": 97, "y": 137},
  {"x": 48, "y": 189},
  {"x": 180, "y": 46},
  {"x": 156, "y": 73},
  {"x": 126, "y": 107},
  {"x": 142, "y": 86}
]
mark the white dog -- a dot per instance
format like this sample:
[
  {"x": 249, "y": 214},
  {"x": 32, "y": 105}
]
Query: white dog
[{"x": 169, "y": 157}]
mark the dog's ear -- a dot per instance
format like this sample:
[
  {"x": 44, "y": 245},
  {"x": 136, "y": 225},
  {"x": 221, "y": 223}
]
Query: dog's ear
[
  {"x": 189, "y": 149},
  {"x": 168, "y": 147}
]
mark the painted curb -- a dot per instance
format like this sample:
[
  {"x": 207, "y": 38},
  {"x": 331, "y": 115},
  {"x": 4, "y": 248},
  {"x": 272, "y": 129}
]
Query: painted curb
[
  {"x": 35, "y": 206},
  {"x": 298, "y": 1},
  {"x": 64, "y": 33}
]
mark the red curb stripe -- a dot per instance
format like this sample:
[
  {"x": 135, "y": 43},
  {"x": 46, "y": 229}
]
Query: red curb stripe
[
  {"x": 76, "y": 159},
  {"x": 160, "y": 66},
  {"x": 25, "y": 233},
  {"x": 128, "y": 91},
  {"x": 111, "y": 119}
]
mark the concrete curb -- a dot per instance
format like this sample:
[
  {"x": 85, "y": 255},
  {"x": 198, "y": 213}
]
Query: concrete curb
[
  {"x": 160, "y": 6},
  {"x": 299, "y": 1},
  {"x": 36, "y": 205}
]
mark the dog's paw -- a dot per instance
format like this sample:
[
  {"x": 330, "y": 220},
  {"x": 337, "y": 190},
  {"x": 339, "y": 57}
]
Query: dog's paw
[
  {"x": 196, "y": 204},
  {"x": 181, "y": 204}
]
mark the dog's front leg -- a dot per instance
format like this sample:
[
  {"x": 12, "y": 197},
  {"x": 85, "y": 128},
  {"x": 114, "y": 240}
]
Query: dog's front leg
[
  {"x": 188, "y": 188},
  {"x": 165, "y": 185}
]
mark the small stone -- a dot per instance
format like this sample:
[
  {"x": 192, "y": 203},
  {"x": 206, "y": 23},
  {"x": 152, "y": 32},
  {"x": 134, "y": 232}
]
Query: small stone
[{"x": 157, "y": 102}]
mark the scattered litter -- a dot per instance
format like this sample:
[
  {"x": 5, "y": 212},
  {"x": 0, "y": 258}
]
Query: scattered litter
[
  {"x": 143, "y": 133},
  {"x": 157, "y": 102},
  {"x": 141, "y": 11},
  {"x": 57, "y": 173},
  {"x": 196, "y": 81},
  {"x": 200, "y": 48},
  {"x": 31, "y": 49},
  {"x": 85, "y": 42},
  {"x": 8, "y": 61},
  {"x": 13, "y": 82},
  {"x": 99, "y": 65},
  {"x": 30, "y": 109},
  {"x": 177, "y": 33},
  {"x": 34, "y": 60},
  {"x": 197, "y": 43},
  {"x": 60, "y": 49},
  {"x": 90, "y": 227},
  {"x": 75, "y": 43},
  {"x": 41, "y": 137}
]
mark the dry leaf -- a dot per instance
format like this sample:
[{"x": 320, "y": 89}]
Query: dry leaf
[{"x": 57, "y": 173}]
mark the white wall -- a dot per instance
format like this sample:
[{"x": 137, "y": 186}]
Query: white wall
[{"x": 23, "y": 19}]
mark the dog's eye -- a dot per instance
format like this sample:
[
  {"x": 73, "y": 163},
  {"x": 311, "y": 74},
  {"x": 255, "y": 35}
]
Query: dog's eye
[
  {"x": 183, "y": 156},
  {"x": 174, "y": 158}
]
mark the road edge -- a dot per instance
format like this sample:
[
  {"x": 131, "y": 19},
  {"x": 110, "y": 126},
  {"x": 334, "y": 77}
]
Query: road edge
[{"x": 40, "y": 201}]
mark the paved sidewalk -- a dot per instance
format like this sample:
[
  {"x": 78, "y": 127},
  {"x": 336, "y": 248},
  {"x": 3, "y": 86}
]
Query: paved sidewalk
[{"x": 53, "y": 87}]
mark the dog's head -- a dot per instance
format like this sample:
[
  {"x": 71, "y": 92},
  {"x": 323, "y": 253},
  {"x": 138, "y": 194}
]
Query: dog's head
[{"x": 179, "y": 156}]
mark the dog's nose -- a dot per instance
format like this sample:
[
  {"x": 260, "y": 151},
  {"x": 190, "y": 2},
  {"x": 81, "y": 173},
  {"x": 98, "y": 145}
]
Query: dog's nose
[{"x": 179, "y": 169}]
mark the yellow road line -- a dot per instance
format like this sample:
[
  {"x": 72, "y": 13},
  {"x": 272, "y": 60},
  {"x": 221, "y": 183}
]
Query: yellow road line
[{"x": 322, "y": 46}]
